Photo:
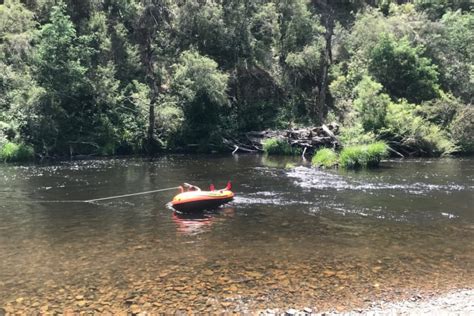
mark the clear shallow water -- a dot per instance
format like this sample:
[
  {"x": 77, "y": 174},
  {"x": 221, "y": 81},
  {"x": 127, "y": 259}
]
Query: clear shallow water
[{"x": 292, "y": 237}]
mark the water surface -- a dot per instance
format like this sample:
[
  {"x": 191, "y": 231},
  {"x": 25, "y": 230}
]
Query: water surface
[{"x": 292, "y": 237}]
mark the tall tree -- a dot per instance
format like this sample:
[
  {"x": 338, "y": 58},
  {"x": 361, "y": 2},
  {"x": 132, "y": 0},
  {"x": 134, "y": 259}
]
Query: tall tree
[{"x": 153, "y": 33}]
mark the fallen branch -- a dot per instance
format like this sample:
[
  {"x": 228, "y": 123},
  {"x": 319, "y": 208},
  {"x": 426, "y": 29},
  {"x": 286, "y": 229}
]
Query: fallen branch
[{"x": 308, "y": 139}]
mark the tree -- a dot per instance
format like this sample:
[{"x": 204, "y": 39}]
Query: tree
[
  {"x": 301, "y": 56},
  {"x": 66, "y": 110},
  {"x": 371, "y": 104},
  {"x": 201, "y": 88},
  {"x": 19, "y": 92},
  {"x": 402, "y": 70},
  {"x": 153, "y": 34},
  {"x": 450, "y": 42},
  {"x": 437, "y": 8}
]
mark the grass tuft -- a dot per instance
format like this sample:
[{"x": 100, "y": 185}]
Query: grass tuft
[
  {"x": 325, "y": 157},
  {"x": 276, "y": 146},
  {"x": 363, "y": 155},
  {"x": 11, "y": 152}
]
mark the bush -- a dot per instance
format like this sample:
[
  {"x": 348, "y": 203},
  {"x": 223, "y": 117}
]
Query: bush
[
  {"x": 14, "y": 152},
  {"x": 414, "y": 133},
  {"x": 371, "y": 104},
  {"x": 325, "y": 157},
  {"x": 355, "y": 135},
  {"x": 276, "y": 146},
  {"x": 462, "y": 129},
  {"x": 363, "y": 155}
]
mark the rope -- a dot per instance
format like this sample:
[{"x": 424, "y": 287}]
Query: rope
[
  {"x": 131, "y": 194},
  {"x": 105, "y": 198}
]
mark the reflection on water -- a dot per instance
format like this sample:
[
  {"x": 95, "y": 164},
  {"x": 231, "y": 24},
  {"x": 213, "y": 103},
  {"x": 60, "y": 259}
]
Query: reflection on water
[
  {"x": 193, "y": 224},
  {"x": 292, "y": 237}
]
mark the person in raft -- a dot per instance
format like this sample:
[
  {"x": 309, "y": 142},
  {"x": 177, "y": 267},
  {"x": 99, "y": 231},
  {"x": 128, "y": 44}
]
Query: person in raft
[{"x": 186, "y": 187}]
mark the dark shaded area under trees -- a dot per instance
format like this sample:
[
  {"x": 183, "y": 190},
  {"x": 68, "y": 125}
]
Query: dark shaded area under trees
[{"x": 107, "y": 77}]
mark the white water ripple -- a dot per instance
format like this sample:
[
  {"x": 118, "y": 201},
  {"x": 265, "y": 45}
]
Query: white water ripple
[{"x": 310, "y": 178}]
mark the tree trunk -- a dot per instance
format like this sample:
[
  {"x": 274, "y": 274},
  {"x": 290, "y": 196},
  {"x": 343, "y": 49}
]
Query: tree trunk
[
  {"x": 328, "y": 21},
  {"x": 151, "y": 125},
  {"x": 152, "y": 84}
]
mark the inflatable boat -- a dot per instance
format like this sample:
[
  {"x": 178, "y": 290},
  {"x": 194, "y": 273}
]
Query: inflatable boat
[{"x": 193, "y": 199}]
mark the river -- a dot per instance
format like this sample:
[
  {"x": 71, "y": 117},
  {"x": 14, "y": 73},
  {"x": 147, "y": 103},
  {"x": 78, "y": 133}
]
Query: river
[{"x": 293, "y": 237}]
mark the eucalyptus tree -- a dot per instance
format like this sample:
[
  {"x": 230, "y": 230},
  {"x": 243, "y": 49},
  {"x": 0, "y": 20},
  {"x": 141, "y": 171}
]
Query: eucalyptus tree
[
  {"x": 66, "y": 110},
  {"x": 301, "y": 49},
  {"x": 153, "y": 33}
]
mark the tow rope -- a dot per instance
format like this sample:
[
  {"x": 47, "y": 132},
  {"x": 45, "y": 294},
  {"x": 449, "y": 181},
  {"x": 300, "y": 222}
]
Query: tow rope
[{"x": 108, "y": 197}]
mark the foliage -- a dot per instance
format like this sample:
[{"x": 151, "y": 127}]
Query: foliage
[
  {"x": 363, "y": 155},
  {"x": 450, "y": 42},
  {"x": 402, "y": 70},
  {"x": 414, "y": 133},
  {"x": 462, "y": 129},
  {"x": 201, "y": 90},
  {"x": 119, "y": 77},
  {"x": 370, "y": 104},
  {"x": 277, "y": 146},
  {"x": 355, "y": 135},
  {"x": 325, "y": 157},
  {"x": 441, "y": 111},
  {"x": 11, "y": 152},
  {"x": 436, "y": 8}
]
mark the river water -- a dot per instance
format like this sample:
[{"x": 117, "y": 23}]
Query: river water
[{"x": 293, "y": 237}]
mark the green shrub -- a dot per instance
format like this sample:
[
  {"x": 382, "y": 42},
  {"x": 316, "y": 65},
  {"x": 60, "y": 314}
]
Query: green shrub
[
  {"x": 363, "y": 155},
  {"x": 276, "y": 146},
  {"x": 371, "y": 104},
  {"x": 14, "y": 152},
  {"x": 462, "y": 129},
  {"x": 325, "y": 157},
  {"x": 415, "y": 133},
  {"x": 355, "y": 135}
]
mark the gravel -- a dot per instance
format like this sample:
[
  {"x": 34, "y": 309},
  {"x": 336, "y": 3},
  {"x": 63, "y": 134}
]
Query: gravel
[{"x": 459, "y": 303}]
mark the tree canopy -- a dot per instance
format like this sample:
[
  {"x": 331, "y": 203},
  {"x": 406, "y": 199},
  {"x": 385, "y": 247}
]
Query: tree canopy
[{"x": 137, "y": 76}]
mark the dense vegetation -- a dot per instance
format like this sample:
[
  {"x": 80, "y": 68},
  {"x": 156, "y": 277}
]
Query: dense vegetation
[{"x": 138, "y": 76}]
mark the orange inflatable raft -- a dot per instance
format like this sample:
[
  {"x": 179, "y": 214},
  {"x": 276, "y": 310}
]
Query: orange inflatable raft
[{"x": 195, "y": 200}]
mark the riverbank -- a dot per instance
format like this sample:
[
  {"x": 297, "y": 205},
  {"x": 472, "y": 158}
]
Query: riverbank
[{"x": 457, "y": 302}]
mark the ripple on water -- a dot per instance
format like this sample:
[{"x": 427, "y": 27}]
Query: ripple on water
[{"x": 310, "y": 178}]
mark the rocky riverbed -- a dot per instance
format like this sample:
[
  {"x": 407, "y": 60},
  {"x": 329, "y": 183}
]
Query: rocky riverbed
[
  {"x": 324, "y": 241},
  {"x": 459, "y": 302}
]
